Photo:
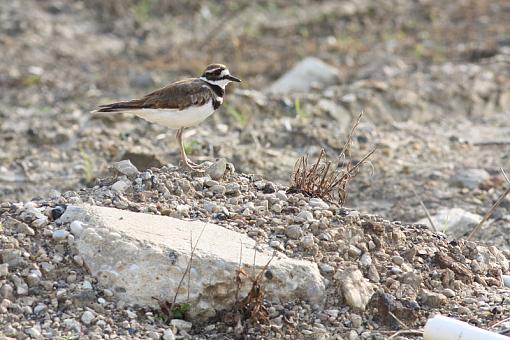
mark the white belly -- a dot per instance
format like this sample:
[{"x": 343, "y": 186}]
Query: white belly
[{"x": 174, "y": 118}]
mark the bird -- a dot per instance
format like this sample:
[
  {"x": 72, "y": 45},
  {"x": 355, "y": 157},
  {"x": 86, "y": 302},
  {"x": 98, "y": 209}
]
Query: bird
[{"x": 179, "y": 105}]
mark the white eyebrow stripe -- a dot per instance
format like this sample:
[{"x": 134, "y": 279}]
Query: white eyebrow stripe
[{"x": 213, "y": 70}]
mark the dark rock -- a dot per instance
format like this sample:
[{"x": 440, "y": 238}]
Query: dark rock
[
  {"x": 58, "y": 211},
  {"x": 405, "y": 310}
]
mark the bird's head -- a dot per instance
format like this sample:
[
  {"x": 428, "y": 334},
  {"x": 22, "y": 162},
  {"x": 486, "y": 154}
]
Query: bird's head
[{"x": 218, "y": 74}]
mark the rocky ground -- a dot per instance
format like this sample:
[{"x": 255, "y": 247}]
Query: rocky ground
[
  {"x": 431, "y": 78},
  {"x": 411, "y": 273}
]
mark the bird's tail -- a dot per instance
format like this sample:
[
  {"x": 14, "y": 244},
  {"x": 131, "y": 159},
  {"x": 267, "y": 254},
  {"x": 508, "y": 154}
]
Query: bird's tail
[{"x": 118, "y": 107}]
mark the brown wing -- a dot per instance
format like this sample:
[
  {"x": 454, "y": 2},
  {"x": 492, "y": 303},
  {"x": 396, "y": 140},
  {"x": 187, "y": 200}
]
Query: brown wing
[{"x": 178, "y": 95}]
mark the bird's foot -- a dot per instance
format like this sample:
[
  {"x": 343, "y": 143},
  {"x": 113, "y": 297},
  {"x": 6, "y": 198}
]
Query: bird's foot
[{"x": 192, "y": 165}]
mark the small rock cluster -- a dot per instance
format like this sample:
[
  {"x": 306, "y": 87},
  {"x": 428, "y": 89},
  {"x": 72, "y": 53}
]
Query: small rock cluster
[{"x": 375, "y": 270}]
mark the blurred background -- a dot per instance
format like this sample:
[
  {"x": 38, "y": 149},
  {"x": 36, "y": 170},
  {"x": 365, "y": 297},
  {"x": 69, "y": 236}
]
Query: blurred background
[{"x": 432, "y": 78}]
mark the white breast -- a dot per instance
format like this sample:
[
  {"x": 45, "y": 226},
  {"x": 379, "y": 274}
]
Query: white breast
[{"x": 174, "y": 118}]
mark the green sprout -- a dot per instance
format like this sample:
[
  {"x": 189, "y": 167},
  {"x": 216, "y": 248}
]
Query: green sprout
[
  {"x": 240, "y": 117},
  {"x": 142, "y": 10},
  {"x": 300, "y": 113},
  {"x": 444, "y": 226},
  {"x": 88, "y": 167},
  {"x": 30, "y": 80},
  {"x": 188, "y": 147},
  {"x": 180, "y": 310}
]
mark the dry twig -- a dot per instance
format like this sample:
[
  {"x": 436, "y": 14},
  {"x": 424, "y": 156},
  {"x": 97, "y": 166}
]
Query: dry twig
[
  {"x": 169, "y": 309},
  {"x": 188, "y": 268},
  {"x": 499, "y": 322},
  {"x": 490, "y": 212},
  {"x": 431, "y": 221},
  {"x": 504, "y": 175},
  {"x": 251, "y": 307},
  {"x": 323, "y": 178},
  {"x": 398, "y": 320}
]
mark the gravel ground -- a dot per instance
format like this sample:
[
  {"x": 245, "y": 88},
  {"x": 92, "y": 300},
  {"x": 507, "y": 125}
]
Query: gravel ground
[
  {"x": 431, "y": 78},
  {"x": 416, "y": 273}
]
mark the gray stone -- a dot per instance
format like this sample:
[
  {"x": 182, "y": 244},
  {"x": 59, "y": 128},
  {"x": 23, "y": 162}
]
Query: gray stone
[
  {"x": 281, "y": 195},
  {"x": 449, "y": 293},
  {"x": 217, "y": 169},
  {"x": 87, "y": 317},
  {"x": 4, "y": 269},
  {"x": 218, "y": 189},
  {"x": 125, "y": 167},
  {"x": 336, "y": 111},
  {"x": 18, "y": 226},
  {"x": 356, "y": 290},
  {"x": 304, "y": 75},
  {"x": 411, "y": 278},
  {"x": 74, "y": 213},
  {"x": 366, "y": 260},
  {"x": 12, "y": 257},
  {"x": 354, "y": 251},
  {"x": 318, "y": 203},
  {"x": 156, "y": 249},
  {"x": 293, "y": 231},
  {"x": 40, "y": 222},
  {"x": 7, "y": 292},
  {"x": 34, "y": 332},
  {"x": 470, "y": 178},
  {"x": 34, "y": 278},
  {"x": 73, "y": 325},
  {"x": 41, "y": 307},
  {"x": 304, "y": 216},
  {"x": 181, "y": 325},
  {"x": 120, "y": 186},
  {"x": 168, "y": 335},
  {"x": 455, "y": 221},
  {"x": 211, "y": 206},
  {"x": 398, "y": 260},
  {"x": 232, "y": 189},
  {"x": 332, "y": 312},
  {"x": 21, "y": 285},
  {"x": 307, "y": 241},
  {"x": 326, "y": 268},
  {"x": 10, "y": 331},
  {"x": 432, "y": 299}
]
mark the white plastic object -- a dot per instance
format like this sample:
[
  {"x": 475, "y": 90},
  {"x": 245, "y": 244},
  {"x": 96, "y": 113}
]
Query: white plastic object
[
  {"x": 506, "y": 280},
  {"x": 444, "y": 328}
]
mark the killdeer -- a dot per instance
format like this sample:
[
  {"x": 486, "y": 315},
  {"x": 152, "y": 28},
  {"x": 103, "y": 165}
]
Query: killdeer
[{"x": 181, "y": 104}]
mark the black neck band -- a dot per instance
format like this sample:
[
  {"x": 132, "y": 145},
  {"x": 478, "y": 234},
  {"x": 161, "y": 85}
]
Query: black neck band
[{"x": 218, "y": 90}]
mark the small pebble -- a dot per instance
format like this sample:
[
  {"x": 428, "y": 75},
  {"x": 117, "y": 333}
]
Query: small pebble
[
  {"x": 76, "y": 227},
  {"x": 168, "y": 335},
  {"x": 4, "y": 269},
  {"x": 87, "y": 317},
  {"x": 60, "y": 234},
  {"x": 181, "y": 324}
]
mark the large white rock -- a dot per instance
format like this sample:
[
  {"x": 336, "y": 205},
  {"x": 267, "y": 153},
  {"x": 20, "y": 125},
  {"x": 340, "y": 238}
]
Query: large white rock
[
  {"x": 141, "y": 256},
  {"x": 469, "y": 178},
  {"x": 303, "y": 75},
  {"x": 456, "y": 222}
]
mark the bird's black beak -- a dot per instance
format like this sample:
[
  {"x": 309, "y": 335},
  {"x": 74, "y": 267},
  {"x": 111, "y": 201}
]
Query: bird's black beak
[{"x": 231, "y": 77}]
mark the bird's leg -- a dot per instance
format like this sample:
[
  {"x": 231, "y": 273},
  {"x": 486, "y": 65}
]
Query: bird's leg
[{"x": 187, "y": 162}]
